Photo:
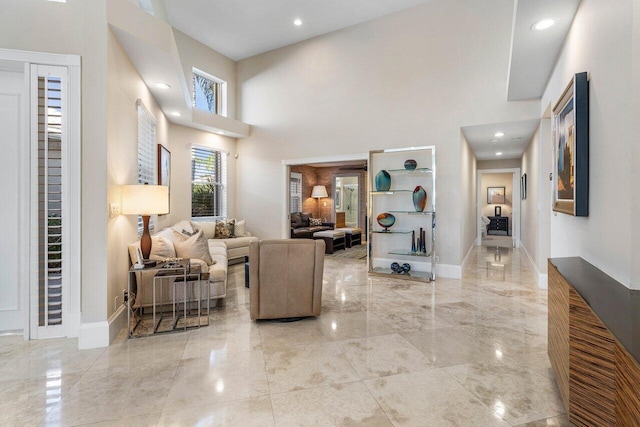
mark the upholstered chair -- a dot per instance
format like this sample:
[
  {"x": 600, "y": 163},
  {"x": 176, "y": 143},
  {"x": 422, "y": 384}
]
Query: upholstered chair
[{"x": 285, "y": 278}]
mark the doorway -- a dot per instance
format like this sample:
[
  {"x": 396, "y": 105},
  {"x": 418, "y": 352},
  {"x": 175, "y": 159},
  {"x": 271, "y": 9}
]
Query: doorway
[
  {"x": 498, "y": 207},
  {"x": 347, "y": 200},
  {"x": 40, "y": 255}
]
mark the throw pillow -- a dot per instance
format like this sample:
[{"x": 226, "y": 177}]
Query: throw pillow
[
  {"x": 223, "y": 230},
  {"x": 239, "y": 229},
  {"x": 209, "y": 228},
  {"x": 161, "y": 249},
  {"x": 296, "y": 220},
  {"x": 305, "y": 219},
  {"x": 315, "y": 221},
  {"x": 195, "y": 246},
  {"x": 183, "y": 225}
]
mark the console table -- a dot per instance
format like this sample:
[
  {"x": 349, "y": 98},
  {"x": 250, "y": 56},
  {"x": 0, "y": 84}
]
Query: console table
[
  {"x": 594, "y": 344},
  {"x": 498, "y": 223}
]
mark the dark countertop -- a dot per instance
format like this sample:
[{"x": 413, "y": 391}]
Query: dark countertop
[{"x": 616, "y": 305}]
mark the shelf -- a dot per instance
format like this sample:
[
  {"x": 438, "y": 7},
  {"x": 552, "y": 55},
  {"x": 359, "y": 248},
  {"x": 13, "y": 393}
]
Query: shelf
[
  {"x": 410, "y": 274},
  {"x": 409, "y": 172},
  {"x": 376, "y": 193},
  {"x": 409, "y": 253},
  {"x": 413, "y": 212},
  {"x": 392, "y": 232}
]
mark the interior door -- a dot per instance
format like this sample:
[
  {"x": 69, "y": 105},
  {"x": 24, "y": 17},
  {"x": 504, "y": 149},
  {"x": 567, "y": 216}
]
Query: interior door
[{"x": 12, "y": 96}]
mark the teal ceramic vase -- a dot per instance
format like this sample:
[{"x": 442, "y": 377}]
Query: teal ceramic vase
[
  {"x": 419, "y": 198},
  {"x": 383, "y": 181},
  {"x": 386, "y": 220},
  {"x": 410, "y": 164}
]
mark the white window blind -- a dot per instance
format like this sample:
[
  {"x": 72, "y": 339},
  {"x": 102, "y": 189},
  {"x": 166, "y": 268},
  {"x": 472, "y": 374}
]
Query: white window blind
[
  {"x": 295, "y": 192},
  {"x": 208, "y": 183},
  {"x": 146, "y": 154}
]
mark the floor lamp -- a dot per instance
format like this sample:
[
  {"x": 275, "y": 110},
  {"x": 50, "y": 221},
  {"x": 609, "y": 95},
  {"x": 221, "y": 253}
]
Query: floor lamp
[
  {"x": 145, "y": 200},
  {"x": 318, "y": 192}
]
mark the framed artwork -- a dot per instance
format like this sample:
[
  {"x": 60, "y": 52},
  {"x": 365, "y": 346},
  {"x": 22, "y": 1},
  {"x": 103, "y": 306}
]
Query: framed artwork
[
  {"x": 338, "y": 197},
  {"x": 523, "y": 187},
  {"x": 571, "y": 149},
  {"x": 164, "y": 169},
  {"x": 495, "y": 195}
]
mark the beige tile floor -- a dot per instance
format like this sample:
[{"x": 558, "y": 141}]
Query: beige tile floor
[{"x": 384, "y": 352}]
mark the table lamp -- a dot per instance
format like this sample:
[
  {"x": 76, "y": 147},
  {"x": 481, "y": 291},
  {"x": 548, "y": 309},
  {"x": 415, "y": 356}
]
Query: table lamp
[{"x": 145, "y": 200}]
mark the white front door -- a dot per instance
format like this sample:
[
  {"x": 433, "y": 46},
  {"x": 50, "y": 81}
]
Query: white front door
[{"x": 12, "y": 99}]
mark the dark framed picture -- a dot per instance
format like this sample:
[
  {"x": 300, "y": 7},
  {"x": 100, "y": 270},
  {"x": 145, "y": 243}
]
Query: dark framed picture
[
  {"x": 164, "y": 169},
  {"x": 523, "y": 187},
  {"x": 495, "y": 195},
  {"x": 571, "y": 149}
]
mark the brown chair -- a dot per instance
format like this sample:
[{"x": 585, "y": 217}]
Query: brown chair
[{"x": 285, "y": 278}]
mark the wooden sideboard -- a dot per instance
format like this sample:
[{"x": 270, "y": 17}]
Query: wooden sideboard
[{"x": 594, "y": 344}]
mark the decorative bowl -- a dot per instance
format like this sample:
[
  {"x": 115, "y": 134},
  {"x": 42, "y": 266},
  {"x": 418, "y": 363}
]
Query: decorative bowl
[
  {"x": 410, "y": 164},
  {"x": 386, "y": 220}
]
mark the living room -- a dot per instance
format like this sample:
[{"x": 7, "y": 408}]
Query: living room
[{"x": 411, "y": 78}]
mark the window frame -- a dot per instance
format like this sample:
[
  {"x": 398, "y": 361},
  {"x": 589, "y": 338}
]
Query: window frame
[
  {"x": 152, "y": 162},
  {"x": 222, "y": 180},
  {"x": 221, "y": 93}
]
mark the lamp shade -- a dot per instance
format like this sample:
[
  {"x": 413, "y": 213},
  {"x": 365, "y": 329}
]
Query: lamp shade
[
  {"x": 319, "y": 191},
  {"x": 145, "y": 199}
]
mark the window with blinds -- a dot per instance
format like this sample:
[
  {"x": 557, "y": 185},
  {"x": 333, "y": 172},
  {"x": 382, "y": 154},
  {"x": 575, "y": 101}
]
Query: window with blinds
[
  {"x": 146, "y": 154},
  {"x": 208, "y": 183},
  {"x": 295, "y": 192},
  {"x": 208, "y": 93},
  {"x": 50, "y": 198}
]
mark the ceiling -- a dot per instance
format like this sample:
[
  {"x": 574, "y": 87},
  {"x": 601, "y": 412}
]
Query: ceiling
[
  {"x": 485, "y": 144},
  {"x": 242, "y": 28}
]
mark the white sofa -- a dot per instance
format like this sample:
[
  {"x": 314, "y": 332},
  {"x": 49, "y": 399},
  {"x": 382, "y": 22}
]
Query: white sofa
[{"x": 219, "y": 250}]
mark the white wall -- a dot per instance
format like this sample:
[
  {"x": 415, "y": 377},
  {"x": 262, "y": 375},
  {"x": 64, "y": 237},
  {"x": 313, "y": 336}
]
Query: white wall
[
  {"x": 469, "y": 195},
  {"x": 182, "y": 138},
  {"x": 409, "y": 79},
  {"x": 497, "y": 180},
  {"x": 600, "y": 42},
  {"x": 499, "y": 164},
  {"x": 76, "y": 27},
  {"x": 529, "y": 208}
]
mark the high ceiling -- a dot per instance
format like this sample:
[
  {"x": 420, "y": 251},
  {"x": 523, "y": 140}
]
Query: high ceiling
[
  {"x": 485, "y": 144},
  {"x": 243, "y": 28}
]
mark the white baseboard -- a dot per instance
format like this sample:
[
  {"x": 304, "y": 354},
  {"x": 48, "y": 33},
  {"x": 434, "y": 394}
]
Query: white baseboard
[
  {"x": 449, "y": 271},
  {"x": 540, "y": 277},
  {"x": 101, "y": 334}
]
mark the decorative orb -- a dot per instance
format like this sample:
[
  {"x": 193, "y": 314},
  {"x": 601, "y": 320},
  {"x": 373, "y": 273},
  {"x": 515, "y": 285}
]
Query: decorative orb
[
  {"x": 410, "y": 164},
  {"x": 406, "y": 267},
  {"x": 386, "y": 220},
  {"x": 395, "y": 267}
]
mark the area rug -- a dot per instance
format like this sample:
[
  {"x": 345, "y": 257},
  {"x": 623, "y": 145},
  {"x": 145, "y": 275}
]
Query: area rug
[{"x": 354, "y": 252}]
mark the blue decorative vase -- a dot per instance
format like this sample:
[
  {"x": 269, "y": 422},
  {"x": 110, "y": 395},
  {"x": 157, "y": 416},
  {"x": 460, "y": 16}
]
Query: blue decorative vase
[
  {"x": 386, "y": 220},
  {"x": 419, "y": 198},
  {"x": 383, "y": 181},
  {"x": 410, "y": 164}
]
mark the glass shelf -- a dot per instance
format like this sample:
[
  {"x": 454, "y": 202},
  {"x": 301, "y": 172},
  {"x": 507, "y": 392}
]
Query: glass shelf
[
  {"x": 375, "y": 193},
  {"x": 415, "y": 274},
  {"x": 413, "y": 212},
  {"x": 409, "y": 253},
  {"x": 392, "y": 232},
  {"x": 416, "y": 170}
]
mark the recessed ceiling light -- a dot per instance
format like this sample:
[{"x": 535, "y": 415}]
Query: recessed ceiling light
[
  {"x": 494, "y": 141},
  {"x": 499, "y": 153},
  {"x": 58, "y": 1},
  {"x": 297, "y": 22},
  {"x": 543, "y": 24},
  {"x": 499, "y": 134},
  {"x": 176, "y": 114},
  {"x": 221, "y": 132},
  {"x": 160, "y": 85}
]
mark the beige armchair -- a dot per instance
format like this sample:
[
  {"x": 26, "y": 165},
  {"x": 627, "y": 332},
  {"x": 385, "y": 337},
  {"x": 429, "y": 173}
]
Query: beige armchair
[{"x": 286, "y": 278}]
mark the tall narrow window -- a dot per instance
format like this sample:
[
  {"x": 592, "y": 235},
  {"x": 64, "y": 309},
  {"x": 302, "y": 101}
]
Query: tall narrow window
[
  {"x": 50, "y": 198},
  {"x": 208, "y": 183},
  {"x": 146, "y": 154},
  {"x": 295, "y": 192},
  {"x": 209, "y": 93}
]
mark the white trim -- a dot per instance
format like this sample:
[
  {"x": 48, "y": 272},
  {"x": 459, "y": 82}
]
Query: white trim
[
  {"x": 40, "y": 57},
  {"x": 515, "y": 203},
  {"x": 101, "y": 334},
  {"x": 326, "y": 159},
  {"x": 465, "y": 260},
  {"x": 541, "y": 278},
  {"x": 449, "y": 271}
]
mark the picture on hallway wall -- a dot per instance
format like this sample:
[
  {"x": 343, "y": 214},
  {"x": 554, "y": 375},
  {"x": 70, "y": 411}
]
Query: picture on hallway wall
[
  {"x": 523, "y": 187},
  {"x": 571, "y": 149},
  {"x": 495, "y": 195},
  {"x": 164, "y": 169}
]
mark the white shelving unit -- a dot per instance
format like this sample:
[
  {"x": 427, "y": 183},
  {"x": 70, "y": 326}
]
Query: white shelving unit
[{"x": 395, "y": 243}]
